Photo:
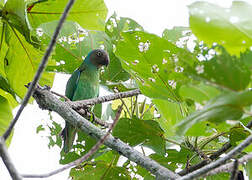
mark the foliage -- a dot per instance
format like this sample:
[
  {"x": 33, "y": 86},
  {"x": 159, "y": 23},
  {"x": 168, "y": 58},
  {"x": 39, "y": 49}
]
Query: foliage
[{"x": 194, "y": 99}]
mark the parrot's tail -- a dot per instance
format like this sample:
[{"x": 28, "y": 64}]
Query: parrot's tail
[{"x": 68, "y": 134}]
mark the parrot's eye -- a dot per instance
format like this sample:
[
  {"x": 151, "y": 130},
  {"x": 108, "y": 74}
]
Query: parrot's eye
[{"x": 98, "y": 53}]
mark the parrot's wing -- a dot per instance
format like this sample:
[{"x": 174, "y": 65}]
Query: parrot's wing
[{"x": 72, "y": 84}]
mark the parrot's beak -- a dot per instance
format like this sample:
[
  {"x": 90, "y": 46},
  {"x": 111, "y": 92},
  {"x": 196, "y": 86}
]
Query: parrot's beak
[{"x": 106, "y": 62}]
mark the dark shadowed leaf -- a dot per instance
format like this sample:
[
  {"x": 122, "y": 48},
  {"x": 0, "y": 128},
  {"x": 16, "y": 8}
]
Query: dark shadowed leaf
[
  {"x": 237, "y": 134},
  {"x": 135, "y": 131},
  {"x": 100, "y": 170}
]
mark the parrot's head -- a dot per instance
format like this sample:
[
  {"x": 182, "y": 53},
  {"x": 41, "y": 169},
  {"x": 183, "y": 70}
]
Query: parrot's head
[{"x": 98, "y": 58}]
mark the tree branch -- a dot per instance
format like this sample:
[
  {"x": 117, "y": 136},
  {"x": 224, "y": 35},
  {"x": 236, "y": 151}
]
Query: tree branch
[
  {"x": 40, "y": 69},
  {"x": 46, "y": 100},
  {"x": 214, "y": 156},
  {"x": 7, "y": 161},
  {"x": 82, "y": 159},
  {"x": 83, "y": 103},
  {"x": 218, "y": 162},
  {"x": 229, "y": 166}
]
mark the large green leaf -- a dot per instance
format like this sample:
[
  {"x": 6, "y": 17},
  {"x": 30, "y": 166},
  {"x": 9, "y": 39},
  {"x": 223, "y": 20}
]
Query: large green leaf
[
  {"x": 153, "y": 62},
  {"x": 171, "y": 114},
  {"x": 14, "y": 12},
  {"x": 224, "y": 70},
  {"x": 198, "y": 92},
  {"x": 230, "y": 27},
  {"x": 21, "y": 62},
  {"x": 227, "y": 106},
  {"x": 89, "y": 14},
  {"x": 135, "y": 131}
]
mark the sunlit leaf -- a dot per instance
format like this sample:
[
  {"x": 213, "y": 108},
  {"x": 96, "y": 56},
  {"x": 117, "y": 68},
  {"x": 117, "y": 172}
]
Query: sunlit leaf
[
  {"x": 151, "y": 60},
  {"x": 21, "y": 63},
  {"x": 89, "y": 14},
  {"x": 14, "y": 12},
  {"x": 230, "y": 27},
  {"x": 174, "y": 34}
]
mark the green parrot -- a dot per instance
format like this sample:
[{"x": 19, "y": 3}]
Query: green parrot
[{"x": 83, "y": 84}]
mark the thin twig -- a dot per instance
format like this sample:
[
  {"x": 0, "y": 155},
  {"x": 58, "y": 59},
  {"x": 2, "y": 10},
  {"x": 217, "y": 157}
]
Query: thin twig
[
  {"x": 149, "y": 108},
  {"x": 82, "y": 159},
  {"x": 211, "y": 139},
  {"x": 218, "y": 162},
  {"x": 40, "y": 69},
  {"x": 123, "y": 102},
  {"x": 214, "y": 156},
  {"x": 102, "y": 99},
  {"x": 235, "y": 170},
  {"x": 7, "y": 161}
]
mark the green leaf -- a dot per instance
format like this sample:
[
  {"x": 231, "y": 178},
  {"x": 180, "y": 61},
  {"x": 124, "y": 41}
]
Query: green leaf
[
  {"x": 5, "y": 115},
  {"x": 116, "y": 25},
  {"x": 14, "y": 12},
  {"x": 173, "y": 158},
  {"x": 224, "y": 70},
  {"x": 3, "y": 47},
  {"x": 114, "y": 73},
  {"x": 89, "y": 14},
  {"x": 237, "y": 134},
  {"x": 4, "y": 85},
  {"x": 198, "y": 92},
  {"x": 248, "y": 169},
  {"x": 152, "y": 61},
  {"x": 174, "y": 34},
  {"x": 171, "y": 114},
  {"x": 21, "y": 63},
  {"x": 40, "y": 128},
  {"x": 144, "y": 173},
  {"x": 227, "y": 106},
  {"x": 230, "y": 27},
  {"x": 164, "y": 161},
  {"x": 100, "y": 170},
  {"x": 135, "y": 131},
  {"x": 220, "y": 176}
]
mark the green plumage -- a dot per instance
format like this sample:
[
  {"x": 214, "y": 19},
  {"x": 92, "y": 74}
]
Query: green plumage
[{"x": 83, "y": 84}]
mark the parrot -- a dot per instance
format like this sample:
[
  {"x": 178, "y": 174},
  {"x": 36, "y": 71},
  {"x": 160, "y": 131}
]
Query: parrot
[{"x": 83, "y": 84}]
